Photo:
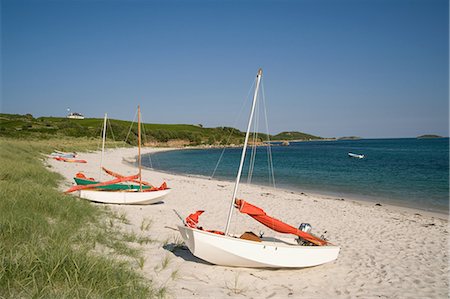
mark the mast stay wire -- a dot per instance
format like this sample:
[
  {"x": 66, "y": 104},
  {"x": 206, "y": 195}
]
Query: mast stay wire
[
  {"x": 144, "y": 133},
  {"x": 100, "y": 140},
  {"x": 112, "y": 133},
  {"x": 270, "y": 168},
  {"x": 131, "y": 126},
  {"x": 254, "y": 141},
  {"x": 234, "y": 124},
  {"x": 269, "y": 148}
]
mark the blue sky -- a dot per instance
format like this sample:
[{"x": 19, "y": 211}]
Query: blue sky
[{"x": 371, "y": 68}]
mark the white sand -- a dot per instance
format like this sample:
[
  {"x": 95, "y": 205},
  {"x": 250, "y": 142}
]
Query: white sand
[{"x": 385, "y": 252}]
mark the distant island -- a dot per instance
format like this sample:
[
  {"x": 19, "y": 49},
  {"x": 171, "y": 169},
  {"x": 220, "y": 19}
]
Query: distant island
[
  {"x": 294, "y": 135},
  {"x": 428, "y": 136},
  {"x": 349, "y": 138}
]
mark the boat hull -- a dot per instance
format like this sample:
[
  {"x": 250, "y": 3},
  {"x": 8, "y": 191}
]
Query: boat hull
[
  {"x": 234, "y": 252},
  {"x": 128, "y": 197}
]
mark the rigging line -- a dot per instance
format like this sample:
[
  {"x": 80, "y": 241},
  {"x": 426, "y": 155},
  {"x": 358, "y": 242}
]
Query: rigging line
[
  {"x": 114, "y": 142},
  {"x": 112, "y": 133},
  {"x": 217, "y": 164},
  {"x": 103, "y": 146},
  {"x": 101, "y": 137},
  {"x": 252, "y": 161},
  {"x": 238, "y": 220},
  {"x": 253, "y": 147},
  {"x": 129, "y": 130},
  {"x": 255, "y": 136},
  {"x": 269, "y": 148},
  {"x": 99, "y": 142},
  {"x": 131, "y": 126},
  {"x": 234, "y": 124},
  {"x": 144, "y": 133}
]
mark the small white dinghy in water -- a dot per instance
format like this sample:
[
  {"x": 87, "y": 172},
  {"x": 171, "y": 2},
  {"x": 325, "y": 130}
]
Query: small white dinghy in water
[{"x": 359, "y": 156}]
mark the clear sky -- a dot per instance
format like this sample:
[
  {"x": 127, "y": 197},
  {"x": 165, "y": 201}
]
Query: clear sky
[{"x": 370, "y": 68}]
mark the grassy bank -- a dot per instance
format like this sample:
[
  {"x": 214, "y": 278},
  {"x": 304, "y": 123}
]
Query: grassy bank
[
  {"x": 26, "y": 126},
  {"x": 53, "y": 245}
]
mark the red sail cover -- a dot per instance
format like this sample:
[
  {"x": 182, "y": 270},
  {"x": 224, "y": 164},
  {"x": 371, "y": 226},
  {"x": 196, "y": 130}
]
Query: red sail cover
[
  {"x": 192, "y": 221},
  {"x": 115, "y": 181},
  {"x": 69, "y": 160},
  {"x": 118, "y": 175},
  {"x": 275, "y": 224},
  {"x": 81, "y": 175}
]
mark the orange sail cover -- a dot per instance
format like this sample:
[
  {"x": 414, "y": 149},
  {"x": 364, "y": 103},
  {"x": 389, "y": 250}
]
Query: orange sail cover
[
  {"x": 119, "y": 176},
  {"x": 192, "y": 221},
  {"x": 162, "y": 187},
  {"x": 259, "y": 215},
  {"x": 115, "y": 181},
  {"x": 153, "y": 188},
  {"x": 81, "y": 175},
  {"x": 69, "y": 160}
]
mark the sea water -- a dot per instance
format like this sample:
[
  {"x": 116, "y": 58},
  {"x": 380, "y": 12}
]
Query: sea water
[{"x": 409, "y": 172}]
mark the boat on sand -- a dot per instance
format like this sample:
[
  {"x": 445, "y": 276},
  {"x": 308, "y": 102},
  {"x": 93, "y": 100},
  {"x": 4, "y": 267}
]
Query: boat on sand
[
  {"x": 122, "y": 189},
  {"x": 301, "y": 249}
]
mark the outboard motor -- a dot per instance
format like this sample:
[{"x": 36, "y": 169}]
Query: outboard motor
[{"x": 305, "y": 227}]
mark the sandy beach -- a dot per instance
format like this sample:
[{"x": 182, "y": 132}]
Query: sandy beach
[{"x": 386, "y": 252}]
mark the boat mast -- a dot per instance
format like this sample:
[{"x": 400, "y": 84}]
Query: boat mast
[
  {"x": 139, "y": 148},
  {"x": 103, "y": 145},
  {"x": 244, "y": 149}
]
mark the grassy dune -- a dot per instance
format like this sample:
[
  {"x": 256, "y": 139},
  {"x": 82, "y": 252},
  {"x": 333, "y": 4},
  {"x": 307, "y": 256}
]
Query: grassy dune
[{"x": 52, "y": 245}]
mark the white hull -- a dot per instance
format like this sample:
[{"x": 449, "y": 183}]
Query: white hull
[
  {"x": 356, "y": 156},
  {"x": 123, "y": 197},
  {"x": 229, "y": 251}
]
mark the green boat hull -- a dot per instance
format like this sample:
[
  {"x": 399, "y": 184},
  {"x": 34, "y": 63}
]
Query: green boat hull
[{"x": 113, "y": 187}]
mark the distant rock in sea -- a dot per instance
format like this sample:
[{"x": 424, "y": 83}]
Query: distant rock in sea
[
  {"x": 349, "y": 138},
  {"x": 428, "y": 136}
]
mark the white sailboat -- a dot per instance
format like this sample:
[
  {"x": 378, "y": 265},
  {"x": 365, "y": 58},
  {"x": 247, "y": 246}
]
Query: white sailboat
[
  {"x": 129, "y": 190},
  {"x": 124, "y": 197},
  {"x": 255, "y": 252}
]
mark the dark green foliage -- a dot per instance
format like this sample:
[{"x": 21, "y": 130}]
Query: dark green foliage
[
  {"x": 25, "y": 126},
  {"x": 294, "y": 136},
  {"x": 349, "y": 138}
]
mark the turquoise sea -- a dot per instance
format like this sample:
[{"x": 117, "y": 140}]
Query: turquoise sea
[{"x": 408, "y": 172}]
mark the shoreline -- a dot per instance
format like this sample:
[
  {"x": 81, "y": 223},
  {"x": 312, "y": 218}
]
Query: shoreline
[
  {"x": 364, "y": 268},
  {"x": 362, "y": 199}
]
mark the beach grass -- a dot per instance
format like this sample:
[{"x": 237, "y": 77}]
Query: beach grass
[{"x": 53, "y": 245}]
